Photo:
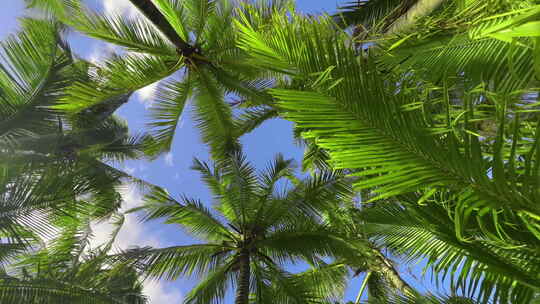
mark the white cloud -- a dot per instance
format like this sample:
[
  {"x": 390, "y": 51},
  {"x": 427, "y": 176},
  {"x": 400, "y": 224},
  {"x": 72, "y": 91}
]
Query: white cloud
[
  {"x": 96, "y": 56},
  {"x": 101, "y": 51},
  {"x": 134, "y": 233},
  {"x": 120, "y": 7},
  {"x": 129, "y": 170},
  {"x": 169, "y": 161},
  {"x": 157, "y": 293},
  {"x": 146, "y": 94}
]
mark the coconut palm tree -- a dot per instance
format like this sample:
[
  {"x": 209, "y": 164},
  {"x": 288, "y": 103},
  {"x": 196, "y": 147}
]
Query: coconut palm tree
[
  {"x": 66, "y": 270},
  {"x": 254, "y": 228},
  {"x": 187, "y": 46},
  {"x": 403, "y": 129},
  {"x": 36, "y": 140}
]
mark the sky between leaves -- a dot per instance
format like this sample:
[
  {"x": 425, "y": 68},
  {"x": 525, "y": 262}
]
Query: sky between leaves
[{"x": 171, "y": 171}]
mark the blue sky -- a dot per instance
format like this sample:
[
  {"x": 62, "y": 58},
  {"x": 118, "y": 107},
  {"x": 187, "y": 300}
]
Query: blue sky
[{"x": 172, "y": 171}]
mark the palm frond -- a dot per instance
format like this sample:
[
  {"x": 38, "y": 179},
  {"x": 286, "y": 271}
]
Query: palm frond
[
  {"x": 34, "y": 72},
  {"x": 166, "y": 113},
  {"x": 117, "y": 76},
  {"x": 214, "y": 117},
  {"x": 252, "y": 118},
  {"x": 213, "y": 287},
  {"x": 476, "y": 267},
  {"x": 328, "y": 281},
  {"x": 198, "y": 12},
  {"x": 294, "y": 242},
  {"x": 174, "y": 12},
  {"x": 371, "y": 14},
  {"x": 191, "y": 214},
  {"x": 135, "y": 34},
  {"x": 171, "y": 262},
  {"x": 51, "y": 291}
]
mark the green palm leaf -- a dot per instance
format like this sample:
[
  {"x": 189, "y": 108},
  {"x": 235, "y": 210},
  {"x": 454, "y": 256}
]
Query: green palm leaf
[
  {"x": 190, "y": 213},
  {"x": 166, "y": 112},
  {"x": 171, "y": 262},
  {"x": 476, "y": 267}
]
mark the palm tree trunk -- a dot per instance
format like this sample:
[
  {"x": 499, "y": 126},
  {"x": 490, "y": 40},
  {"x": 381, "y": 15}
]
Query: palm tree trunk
[
  {"x": 419, "y": 9},
  {"x": 386, "y": 268},
  {"x": 242, "y": 292},
  {"x": 154, "y": 15},
  {"x": 104, "y": 110}
]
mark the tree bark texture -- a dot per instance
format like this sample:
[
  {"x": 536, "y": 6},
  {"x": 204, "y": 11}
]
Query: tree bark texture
[
  {"x": 386, "y": 268},
  {"x": 156, "y": 17},
  {"x": 419, "y": 9},
  {"x": 242, "y": 291}
]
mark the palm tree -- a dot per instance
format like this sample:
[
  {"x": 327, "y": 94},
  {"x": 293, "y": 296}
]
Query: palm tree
[
  {"x": 65, "y": 270},
  {"x": 53, "y": 166},
  {"x": 408, "y": 128},
  {"x": 188, "y": 45},
  {"x": 35, "y": 139},
  {"x": 253, "y": 229}
]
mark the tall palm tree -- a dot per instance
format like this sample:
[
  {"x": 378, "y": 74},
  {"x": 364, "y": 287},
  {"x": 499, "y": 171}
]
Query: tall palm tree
[
  {"x": 36, "y": 139},
  {"x": 65, "y": 270},
  {"x": 407, "y": 130},
  {"x": 254, "y": 228},
  {"x": 191, "y": 43}
]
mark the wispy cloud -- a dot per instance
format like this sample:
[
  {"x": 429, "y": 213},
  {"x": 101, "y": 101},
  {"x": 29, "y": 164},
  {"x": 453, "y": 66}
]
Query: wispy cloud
[
  {"x": 158, "y": 294},
  {"x": 129, "y": 170},
  {"x": 100, "y": 51},
  {"x": 120, "y": 7},
  {"x": 146, "y": 94},
  {"x": 169, "y": 161},
  {"x": 134, "y": 233}
]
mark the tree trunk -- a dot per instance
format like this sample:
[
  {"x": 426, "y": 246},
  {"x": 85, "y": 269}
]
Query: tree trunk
[
  {"x": 242, "y": 291},
  {"x": 154, "y": 15},
  {"x": 386, "y": 268},
  {"x": 100, "y": 112},
  {"x": 419, "y": 9}
]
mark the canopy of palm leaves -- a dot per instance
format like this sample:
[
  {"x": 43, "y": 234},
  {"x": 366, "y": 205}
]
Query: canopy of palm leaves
[
  {"x": 254, "y": 228},
  {"x": 417, "y": 129},
  {"x": 187, "y": 45},
  {"x": 52, "y": 164},
  {"x": 66, "y": 270},
  {"x": 430, "y": 107}
]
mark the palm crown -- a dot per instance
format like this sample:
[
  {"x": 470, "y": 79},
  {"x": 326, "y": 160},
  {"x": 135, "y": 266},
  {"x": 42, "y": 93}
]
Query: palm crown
[
  {"x": 413, "y": 135},
  {"x": 254, "y": 229},
  {"x": 67, "y": 270},
  {"x": 191, "y": 41},
  {"x": 36, "y": 139}
]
